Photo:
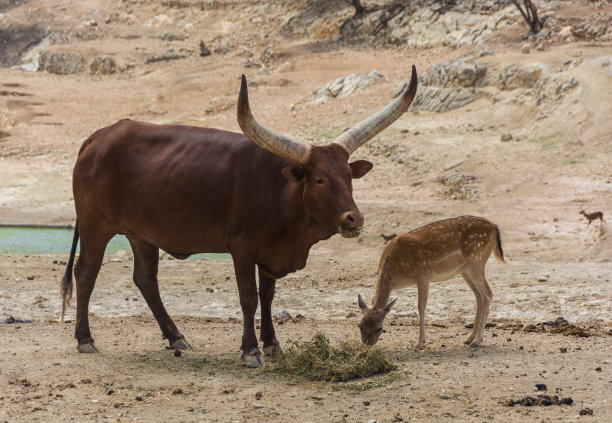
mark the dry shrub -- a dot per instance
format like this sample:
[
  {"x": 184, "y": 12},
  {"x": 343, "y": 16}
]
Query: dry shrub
[{"x": 318, "y": 360}]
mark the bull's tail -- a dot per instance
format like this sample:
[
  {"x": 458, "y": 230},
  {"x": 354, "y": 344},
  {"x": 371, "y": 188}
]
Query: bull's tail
[
  {"x": 66, "y": 286},
  {"x": 498, "y": 250}
]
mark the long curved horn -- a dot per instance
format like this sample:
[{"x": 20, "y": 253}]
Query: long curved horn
[
  {"x": 359, "y": 134},
  {"x": 264, "y": 137}
]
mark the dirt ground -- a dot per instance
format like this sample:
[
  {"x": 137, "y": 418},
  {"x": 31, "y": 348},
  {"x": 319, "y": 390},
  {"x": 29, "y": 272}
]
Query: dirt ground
[{"x": 558, "y": 162}]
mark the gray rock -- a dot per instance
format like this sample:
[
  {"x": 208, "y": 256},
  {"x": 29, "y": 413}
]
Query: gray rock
[
  {"x": 343, "y": 86},
  {"x": 436, "y": 99},
  {"x": 60, "y": 62},
  {"x": 566, "y": 86},
  {"x": 204, "y": 51},
  {"x": 458, "y": 72},
  {"x": 526, "y": 49},
  {"x": 284, "y": 314},
  {"x": 518, "y": 76},
  {"x": 104, "y": 65},
  {"x": 506, "y": 137}
]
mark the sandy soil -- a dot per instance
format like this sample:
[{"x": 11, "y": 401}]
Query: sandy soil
[{"x": 533, "y": 187}]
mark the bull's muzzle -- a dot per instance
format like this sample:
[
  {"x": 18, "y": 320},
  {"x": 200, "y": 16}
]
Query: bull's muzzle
[{"x": 351, "y": 224}]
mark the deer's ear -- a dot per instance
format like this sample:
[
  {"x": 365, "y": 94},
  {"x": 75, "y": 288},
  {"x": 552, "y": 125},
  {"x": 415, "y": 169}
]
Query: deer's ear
[
  {"x": 362, "y": 304},
  {"x": 389, "y": 306}
]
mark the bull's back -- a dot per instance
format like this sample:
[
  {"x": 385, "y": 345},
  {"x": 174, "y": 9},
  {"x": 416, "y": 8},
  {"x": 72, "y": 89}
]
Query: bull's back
[{"x": 174, "y": 186}]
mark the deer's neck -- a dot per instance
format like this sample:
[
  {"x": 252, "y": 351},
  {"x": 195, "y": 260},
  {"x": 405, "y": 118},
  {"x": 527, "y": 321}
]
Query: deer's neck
[{"x": 383, "y": 288}]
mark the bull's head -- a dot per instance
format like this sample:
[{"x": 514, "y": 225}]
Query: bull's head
[{"x": 324, "y": 170}]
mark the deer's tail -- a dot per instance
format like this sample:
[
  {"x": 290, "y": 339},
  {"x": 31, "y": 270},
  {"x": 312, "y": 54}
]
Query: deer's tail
[{"x": 497, "y": 249}]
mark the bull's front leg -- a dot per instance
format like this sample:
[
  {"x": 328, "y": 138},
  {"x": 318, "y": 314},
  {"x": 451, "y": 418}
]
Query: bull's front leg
[
  {"x": 267, "y": 286},
  {"x": 247, "y": 289}
]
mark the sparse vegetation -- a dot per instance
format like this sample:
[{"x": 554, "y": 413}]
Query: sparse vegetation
[
  {"x": 530, "y": 14},
  {"x": 318, "y": 360}
]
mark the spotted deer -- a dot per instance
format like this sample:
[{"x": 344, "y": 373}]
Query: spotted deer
[
  {"x": 592, "y": 216},
  {"x": 434, "y": 253}
]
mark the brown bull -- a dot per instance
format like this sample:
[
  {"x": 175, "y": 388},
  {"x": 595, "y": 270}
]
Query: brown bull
[{"x": 263, "y": 198}]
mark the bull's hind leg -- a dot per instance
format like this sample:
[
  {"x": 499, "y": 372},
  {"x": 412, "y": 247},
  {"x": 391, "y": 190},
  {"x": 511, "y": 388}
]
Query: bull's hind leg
[
  {"x": 146, "y": 263},
  {"x": 86, "y": 271},
  {"x": 266, "y": 295}
]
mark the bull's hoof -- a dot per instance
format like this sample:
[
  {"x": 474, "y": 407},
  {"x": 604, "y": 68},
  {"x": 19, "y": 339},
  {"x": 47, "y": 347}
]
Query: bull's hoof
[
  {"x": 180, "y": 344},
  {"x": 272, "y": 350},
  {"x": 88, "y": 348},
  {"x": 253, "y": 359},
  {"x": 475, "y": 344}
]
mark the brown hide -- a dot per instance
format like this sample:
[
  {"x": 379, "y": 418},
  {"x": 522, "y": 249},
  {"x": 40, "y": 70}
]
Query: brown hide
[{"x": 191, "y": 190}]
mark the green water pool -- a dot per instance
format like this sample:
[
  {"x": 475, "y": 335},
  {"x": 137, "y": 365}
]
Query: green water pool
[{"x": 29, "y": 240}]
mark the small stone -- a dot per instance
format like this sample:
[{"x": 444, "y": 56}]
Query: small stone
[
  {"x": 284, "y": 314},
  {"x": 586, "y": 412},
  {"x": 110, "y": 392},
  {"x": 177, "y": 353},
  {"x": 372, "y": 421},
  {"x": 138, "y": 398},
  {"x": 506, "y": 137},
  {"x": 204, "y": 51},
  {"x": 366, "y": 403},
  {"x": 567, "y": 401},
  {"x": 177, "y": 391},
  {"x": 443, "y": 396},
  {"x": 598, "y": 369},
  {"x": 525, "y": 49},
  {"x": 543, "y": 279},
  {"x": 258, "y": 395},
  {"x": 93, "y": 22},
  {"x": 508, "y": 403},
  {"x": 257, "y": 405},
  {"x": 541, "y": 387},
  {"x": 562, "y": 350}
]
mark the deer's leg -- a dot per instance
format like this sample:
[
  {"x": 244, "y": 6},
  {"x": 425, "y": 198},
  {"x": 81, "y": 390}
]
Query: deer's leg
[
  {"x": 267, "y": 286},
  {"x": 477, "y": 278},
  {"x": 86, "y": 271},
  {"x": 479, "y": 307},
  {"x": 423, "y": 290},
  {"x": 146, "y": 263}
]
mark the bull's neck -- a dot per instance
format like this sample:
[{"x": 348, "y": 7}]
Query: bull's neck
[
  {"x": 297, "y": 220},
  {"x": 383, "y": 287}
]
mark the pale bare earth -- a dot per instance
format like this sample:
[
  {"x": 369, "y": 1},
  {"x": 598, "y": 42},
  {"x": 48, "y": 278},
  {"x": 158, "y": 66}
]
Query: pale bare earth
[{"x": 558, "y": 162}]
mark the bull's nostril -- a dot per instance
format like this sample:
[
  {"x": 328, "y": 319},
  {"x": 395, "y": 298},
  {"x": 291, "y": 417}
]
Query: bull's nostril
[{"x": 350, "y": 218}]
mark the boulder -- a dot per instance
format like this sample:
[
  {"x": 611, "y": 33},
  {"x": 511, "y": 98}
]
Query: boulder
[
  {"x": 60, "y": 62},
  {"x": 343, "y": 86},
  {"x": 103, "y": 65},
  {"x": 435, "y": 99},
  {"x": 462, "y": 71},
  {"x": 518, "y": 76}
]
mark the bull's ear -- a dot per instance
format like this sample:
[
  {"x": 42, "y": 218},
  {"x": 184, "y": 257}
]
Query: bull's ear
[
  {"x": 360, "y": 168},
  {"x": 294, "y": 174}
]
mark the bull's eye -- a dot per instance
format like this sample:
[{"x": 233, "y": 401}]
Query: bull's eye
[{"x": 320, "y": 181}]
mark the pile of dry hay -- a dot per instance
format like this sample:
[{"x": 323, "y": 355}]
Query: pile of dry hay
[{"x": 318, "y": 360}]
